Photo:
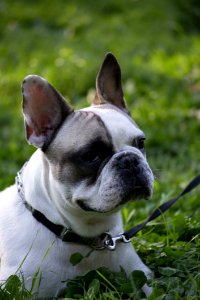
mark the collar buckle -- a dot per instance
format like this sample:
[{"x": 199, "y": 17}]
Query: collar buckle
[{"x": 110, "y": 242}]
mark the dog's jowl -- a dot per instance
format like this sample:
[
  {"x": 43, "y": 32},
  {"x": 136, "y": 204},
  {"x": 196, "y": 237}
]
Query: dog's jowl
[{"x": 87, "y": 165}]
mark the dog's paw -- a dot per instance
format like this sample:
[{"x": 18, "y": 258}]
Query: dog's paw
[{"x": 147, "y": 290}]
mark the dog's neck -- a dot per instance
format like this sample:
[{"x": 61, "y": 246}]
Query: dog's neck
[
  {"x": 42, "y": 192},
  {"x": 35, "y": 187}
]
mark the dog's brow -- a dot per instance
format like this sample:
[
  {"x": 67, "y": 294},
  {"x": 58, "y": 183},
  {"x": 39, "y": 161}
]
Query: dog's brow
[
  {"x": 90, "y": 115},
  {"x": 125, "y": 114}
]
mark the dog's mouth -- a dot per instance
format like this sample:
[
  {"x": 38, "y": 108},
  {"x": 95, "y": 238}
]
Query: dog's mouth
[
  {"x": 140, "y": 190},
  {"x": 87, "y": 208},
  {"x": 81, "y": 203},
  {"x": 136, "y": 193}
]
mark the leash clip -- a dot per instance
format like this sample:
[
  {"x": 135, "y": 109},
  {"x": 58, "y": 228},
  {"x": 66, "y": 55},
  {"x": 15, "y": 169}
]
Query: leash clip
[{"x": 111, "y": 242}]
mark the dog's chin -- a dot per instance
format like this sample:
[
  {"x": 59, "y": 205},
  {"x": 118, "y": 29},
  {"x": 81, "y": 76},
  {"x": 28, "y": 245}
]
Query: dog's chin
[
  {"x": 137, "y": 193},
  {"x": 81, "y": 203},
  {"x": 86, "y": 208}
]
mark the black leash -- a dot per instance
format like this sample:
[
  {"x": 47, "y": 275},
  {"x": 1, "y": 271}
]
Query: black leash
[
  {"x": 162, "y": 208},
  {"x": 110, "y": 242}
]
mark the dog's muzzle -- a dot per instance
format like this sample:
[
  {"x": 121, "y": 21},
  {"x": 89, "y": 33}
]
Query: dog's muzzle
[
  {"x": 135, "y": 175},
  {"x": 127, "y": 176}
]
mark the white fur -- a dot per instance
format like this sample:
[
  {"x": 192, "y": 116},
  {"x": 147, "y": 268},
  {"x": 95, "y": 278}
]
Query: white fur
[
  {"x": 26, "y": 246},
  {"x": 22, "y": 238},
  {"x": 122, "y": 129}
]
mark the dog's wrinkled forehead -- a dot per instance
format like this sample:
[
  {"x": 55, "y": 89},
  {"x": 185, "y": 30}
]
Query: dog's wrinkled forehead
[
  {"x": 119, "y": 126},
  {"x": 79, "y": 129},
  {"x": 102, "y": 122}
]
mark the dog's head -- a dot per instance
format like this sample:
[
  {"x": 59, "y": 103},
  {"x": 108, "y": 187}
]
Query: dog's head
[{"x": 95, "y": 155}]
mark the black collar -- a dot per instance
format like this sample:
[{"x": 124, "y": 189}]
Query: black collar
[
  {"x": 105, "y": 240},
  {"x": 66, "y": 234}
]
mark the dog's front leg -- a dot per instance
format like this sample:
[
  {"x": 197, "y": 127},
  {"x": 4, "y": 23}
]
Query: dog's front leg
[{"x": 130, "y": 261}]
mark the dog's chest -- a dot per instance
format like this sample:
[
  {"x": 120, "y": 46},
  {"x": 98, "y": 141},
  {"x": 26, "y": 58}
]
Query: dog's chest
[{"x": 27, "y": 243}]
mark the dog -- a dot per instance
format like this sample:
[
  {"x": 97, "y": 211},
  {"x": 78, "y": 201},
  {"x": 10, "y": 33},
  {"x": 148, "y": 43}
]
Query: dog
[{"x": 87, "y": 165}]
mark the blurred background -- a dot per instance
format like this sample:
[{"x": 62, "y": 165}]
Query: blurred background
[{"x": 157, "y": 44}]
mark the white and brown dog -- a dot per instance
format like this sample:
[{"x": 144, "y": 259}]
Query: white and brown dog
[{"x": 88, "y": 164}]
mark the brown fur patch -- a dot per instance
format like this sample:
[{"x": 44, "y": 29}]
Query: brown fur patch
[{"x": 78, "y": 131}]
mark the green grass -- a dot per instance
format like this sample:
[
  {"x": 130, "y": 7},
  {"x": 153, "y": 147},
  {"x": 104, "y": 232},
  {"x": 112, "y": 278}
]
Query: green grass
[{"x": 158, "y": 46}]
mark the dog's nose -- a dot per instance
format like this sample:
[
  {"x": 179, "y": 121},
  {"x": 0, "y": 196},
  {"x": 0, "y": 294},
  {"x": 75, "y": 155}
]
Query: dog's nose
[{"x": 129, "y": 162}]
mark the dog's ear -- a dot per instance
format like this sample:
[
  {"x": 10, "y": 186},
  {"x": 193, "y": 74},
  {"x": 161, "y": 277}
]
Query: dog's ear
[
  {"x": 44, "y": 110},
  {"x": 108, "y": 84}
]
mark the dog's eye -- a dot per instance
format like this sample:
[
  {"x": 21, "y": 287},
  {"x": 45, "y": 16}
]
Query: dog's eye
[
  {"x": 90, "y": 156},
  {"x": 140, "y": 144}
]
